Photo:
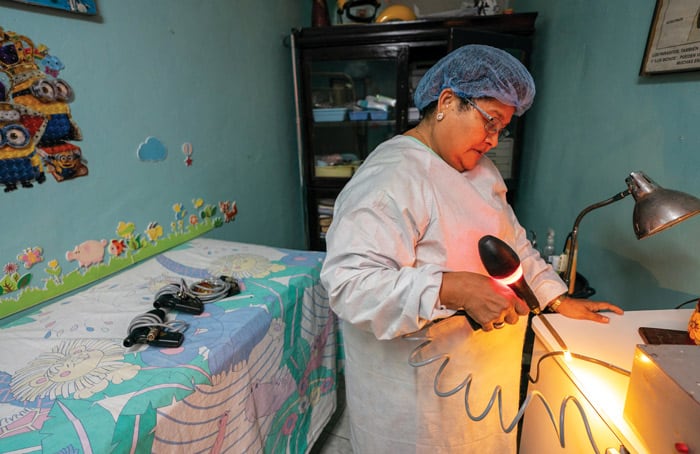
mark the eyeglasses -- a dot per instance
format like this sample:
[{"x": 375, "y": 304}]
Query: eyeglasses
[{"x": 492, "y": 125}]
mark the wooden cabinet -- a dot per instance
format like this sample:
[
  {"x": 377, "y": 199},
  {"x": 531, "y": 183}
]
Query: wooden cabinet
[{"x": 354, "y": 89}]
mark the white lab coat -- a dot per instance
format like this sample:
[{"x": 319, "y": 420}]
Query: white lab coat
[{"x": 404, "y": 218}]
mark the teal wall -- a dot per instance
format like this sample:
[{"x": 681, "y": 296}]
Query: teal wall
[
  {"x": 594, "y": 120},
  {"x": 216, "y": 74}
]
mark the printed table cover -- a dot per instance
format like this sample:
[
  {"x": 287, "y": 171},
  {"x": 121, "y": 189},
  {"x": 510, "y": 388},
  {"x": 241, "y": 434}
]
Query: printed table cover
[{"x": 255, "y": 373}]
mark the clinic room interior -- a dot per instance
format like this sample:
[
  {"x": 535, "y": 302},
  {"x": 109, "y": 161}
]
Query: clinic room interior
[{"x": 197, "y": 118}]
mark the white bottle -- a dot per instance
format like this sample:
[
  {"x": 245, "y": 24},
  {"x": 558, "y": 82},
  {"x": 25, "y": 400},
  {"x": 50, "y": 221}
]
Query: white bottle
[{"x": 548, "y": 251}]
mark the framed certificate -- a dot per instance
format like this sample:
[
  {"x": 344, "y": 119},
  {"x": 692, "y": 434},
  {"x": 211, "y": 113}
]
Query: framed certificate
[{"x": 673, "y": 44}]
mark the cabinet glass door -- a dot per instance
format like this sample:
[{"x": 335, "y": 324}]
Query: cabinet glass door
[
  {"x": 351, "y": 108},
  {"x": 354, "y": 99}
]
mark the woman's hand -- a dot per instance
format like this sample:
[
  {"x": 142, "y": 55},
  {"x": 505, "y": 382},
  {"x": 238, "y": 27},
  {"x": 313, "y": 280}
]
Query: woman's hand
[
  {"x": 484, "y": 299},
  {"x": 586, "y": 309}
]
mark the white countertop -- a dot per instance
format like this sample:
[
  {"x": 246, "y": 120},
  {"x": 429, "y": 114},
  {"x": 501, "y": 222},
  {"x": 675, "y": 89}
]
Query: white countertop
[{"x": 613, "y": 343}]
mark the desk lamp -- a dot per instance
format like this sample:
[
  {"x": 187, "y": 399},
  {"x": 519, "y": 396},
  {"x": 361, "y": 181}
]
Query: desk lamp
[{"x": 655, "y": 209}]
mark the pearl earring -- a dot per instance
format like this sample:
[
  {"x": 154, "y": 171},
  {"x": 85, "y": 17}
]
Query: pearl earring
[{"x": 440, "y": 116}]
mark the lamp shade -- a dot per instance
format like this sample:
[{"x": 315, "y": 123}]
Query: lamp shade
[{"x": 656, "y": 208}]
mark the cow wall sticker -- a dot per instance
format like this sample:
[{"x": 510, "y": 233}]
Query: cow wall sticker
[{"x": 36, "y": 125}]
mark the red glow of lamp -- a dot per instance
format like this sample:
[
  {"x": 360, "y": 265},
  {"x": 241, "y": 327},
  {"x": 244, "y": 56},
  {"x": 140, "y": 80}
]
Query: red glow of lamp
[{"x": 503, "y": 264}]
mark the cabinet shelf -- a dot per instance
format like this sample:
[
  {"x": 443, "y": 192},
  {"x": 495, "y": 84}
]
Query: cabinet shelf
[{"x": 344, "y": 64}]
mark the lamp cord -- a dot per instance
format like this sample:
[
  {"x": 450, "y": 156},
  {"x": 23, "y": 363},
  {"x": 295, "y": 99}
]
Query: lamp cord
[
  {"x": 497, "y": 392},
  {"x": 687, "y": 302}
]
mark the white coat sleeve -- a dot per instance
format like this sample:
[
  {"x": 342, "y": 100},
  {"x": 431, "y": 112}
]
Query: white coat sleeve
[{"x": 370, "y": 268}]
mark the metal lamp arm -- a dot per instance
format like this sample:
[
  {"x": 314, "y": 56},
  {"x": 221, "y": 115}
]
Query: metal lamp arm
[{"x": 571, "y": 248}]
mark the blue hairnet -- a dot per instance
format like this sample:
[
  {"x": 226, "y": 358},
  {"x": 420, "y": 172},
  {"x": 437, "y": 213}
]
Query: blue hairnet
[{"x": 477, "y": 71}]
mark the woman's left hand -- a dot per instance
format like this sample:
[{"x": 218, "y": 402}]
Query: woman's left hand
[{"x": 586, "y": 309}]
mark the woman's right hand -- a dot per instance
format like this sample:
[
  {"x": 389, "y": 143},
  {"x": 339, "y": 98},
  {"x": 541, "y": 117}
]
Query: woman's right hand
[{"x": 485, "y": 300}]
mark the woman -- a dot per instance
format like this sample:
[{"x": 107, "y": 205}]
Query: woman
[{"x": 402, "y": 253}]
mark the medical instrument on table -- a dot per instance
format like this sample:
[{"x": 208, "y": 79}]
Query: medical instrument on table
[
  {"x": 215, "y": 289},
  {"x": 153, "y": 328},
  {"x": 191, "y": 298},
  {"x": 503, "y": 264},
  {"x": 174, "y": 296}
]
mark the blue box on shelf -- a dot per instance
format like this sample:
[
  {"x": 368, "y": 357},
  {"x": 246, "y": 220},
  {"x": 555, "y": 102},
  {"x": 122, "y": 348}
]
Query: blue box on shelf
[
  {"x": 358, "y": 115},
  {"x": 378, "y": 114},
  {"x": 330, "y": 114}
]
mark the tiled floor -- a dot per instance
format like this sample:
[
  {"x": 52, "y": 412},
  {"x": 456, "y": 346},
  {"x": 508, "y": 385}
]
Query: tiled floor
[{"x": 335, "y": 438}]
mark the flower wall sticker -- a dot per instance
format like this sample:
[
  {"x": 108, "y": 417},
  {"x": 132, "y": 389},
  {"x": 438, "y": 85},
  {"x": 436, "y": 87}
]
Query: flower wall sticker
[{"x": 97, "y": 258}]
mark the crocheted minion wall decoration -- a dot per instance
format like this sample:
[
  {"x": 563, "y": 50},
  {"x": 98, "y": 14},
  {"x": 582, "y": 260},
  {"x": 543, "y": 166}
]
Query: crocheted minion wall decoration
[
  {"x": 20, "y": 131},
  {"x": 43, "y": 92}
]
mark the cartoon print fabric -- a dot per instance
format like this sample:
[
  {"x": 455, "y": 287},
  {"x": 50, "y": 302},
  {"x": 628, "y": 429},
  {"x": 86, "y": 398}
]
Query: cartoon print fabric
[
  {"x": 29, "y": 80},
  {"x": 256, "y": 372}
]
